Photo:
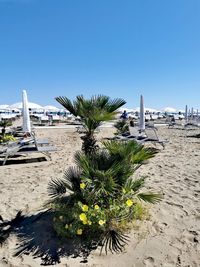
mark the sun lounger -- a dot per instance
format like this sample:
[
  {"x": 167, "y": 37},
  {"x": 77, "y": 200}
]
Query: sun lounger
[
  {"x": 148, "y": 135},
  {"x": 26, "y": 146},
  {"x": 152, "y": 136},
  {"x": 43, "y": 119},
  {"x": 134, "y": 133}
]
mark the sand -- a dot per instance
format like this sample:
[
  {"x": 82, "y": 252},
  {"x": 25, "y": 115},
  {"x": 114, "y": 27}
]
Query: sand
[{"x": 170, "y": 237}]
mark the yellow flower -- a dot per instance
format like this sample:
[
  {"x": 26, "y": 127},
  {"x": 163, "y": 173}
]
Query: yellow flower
[
  {"x": 83, "y": 217},
  {"x": 129, "y": 202},
  {"x": 84, "y": 208},
  {"x": 96, "y": 207},
  {"x": 84, "y": 221},
  {"x": 66, "y": 226},
  {"x": 79, "y": 232},
  {"x": 82, "y": 185},
  {"x": 101, "y": 222},
  {"x": 89, "y": 222}
]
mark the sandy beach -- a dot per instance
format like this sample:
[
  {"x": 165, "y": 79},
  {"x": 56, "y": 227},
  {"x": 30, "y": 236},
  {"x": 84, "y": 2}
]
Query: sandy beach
[{"x": 170, "y": 237}]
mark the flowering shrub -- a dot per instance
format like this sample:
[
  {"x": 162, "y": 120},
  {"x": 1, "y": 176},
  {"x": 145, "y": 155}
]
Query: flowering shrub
[{"x": 99, "y": 199}]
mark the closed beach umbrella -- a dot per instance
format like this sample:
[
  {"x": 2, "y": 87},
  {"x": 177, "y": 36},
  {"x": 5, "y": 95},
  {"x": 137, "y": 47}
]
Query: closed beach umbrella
[
  {"x": 142, "y": 115},
  {"x": 25, "y": 113},
  {"x": 192, "y": 113},
  {"x": 186, "y": 113}
]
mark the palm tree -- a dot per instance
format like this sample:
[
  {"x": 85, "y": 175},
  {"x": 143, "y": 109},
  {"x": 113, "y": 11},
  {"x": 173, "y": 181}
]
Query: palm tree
[
  {"x": 108, "y": 181},
  {"x": 92, "y": 113},
  {"x": 4, "y": 124},
  {"x": 121, "y": 126}
]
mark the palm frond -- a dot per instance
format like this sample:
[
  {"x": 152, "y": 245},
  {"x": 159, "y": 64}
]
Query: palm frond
[
  {"x": 131, "y": 151},
  {"x": 115, "y": 104},
  {"x": 66, "y": 103},
  {"x": 101, "y": 100},
  {"x": 150, "y": 197},
  {"x": 70, "y": 183},
  {"x": 114, "y": 241},
  {"x": 56, "y": 188},
  {"x": 134, "y": 185},
  {"x": 72, "y": 178},
  {"x": 6, "y": 227},
  {"x": 143, "y": 154}
]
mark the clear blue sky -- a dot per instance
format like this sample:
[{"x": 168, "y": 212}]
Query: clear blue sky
[{"x": 120, "y": 48}]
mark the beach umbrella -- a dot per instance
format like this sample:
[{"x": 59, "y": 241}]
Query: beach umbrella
[
  {"x": 192, "y": 113},
  {"x": 25, "y": 113},
  {"x": 51, "y": 108},
  {"x": 4, "y": 107},
  {"x": 186, "y": 113},
  {"x": 169, "y": 110},
  {"x": 31, "y": 105},
  {"x": 142, "y": 115}
]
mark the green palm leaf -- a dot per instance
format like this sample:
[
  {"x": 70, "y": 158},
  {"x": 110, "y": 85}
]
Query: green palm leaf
[
  {"x": 150, "y": 197},
  {"x": 114, "y": 241},
  {"x": 134, "y": 185},
  {"x": 92, "y": 112},
  {"x": 66, "y": 103},
  {"x": 56, "y": 188}
]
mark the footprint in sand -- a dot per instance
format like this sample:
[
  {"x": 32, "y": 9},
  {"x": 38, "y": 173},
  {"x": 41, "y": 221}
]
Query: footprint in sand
[{"x": 149, "y": 262}]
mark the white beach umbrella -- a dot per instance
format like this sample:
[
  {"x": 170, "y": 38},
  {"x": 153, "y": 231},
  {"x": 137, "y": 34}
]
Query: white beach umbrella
[
  {"x": 142, "y": 115},
  {"x": 169, "y": 110},
  {"x": 186, "y": 113},
  {"x": 51, "y": 108},
  {"x": 4, "y": 107},
  {"x": 19, "y": 105},
  {"x": 25, "y": 113}
]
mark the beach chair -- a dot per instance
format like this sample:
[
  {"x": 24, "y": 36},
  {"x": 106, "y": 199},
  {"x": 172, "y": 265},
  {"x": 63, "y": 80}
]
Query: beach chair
[
  {"x": 133, "y": 134},
  {"x": 55, "y": 118},
  {"x": 152, "y": 136},
  {"x": 136, "y": 133},
  {"x": 26, "y": 146},
  {"x": 43, "y": 120}
]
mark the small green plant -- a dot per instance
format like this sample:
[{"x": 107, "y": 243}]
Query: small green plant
[
  {"x": 6, "y": 138},
  {"x": 121, "y": 126},
  {"x": 99, "y": 199},
  {"x": 4, "y": 124}
]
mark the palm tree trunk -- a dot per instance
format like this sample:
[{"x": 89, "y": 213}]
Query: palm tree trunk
[
  {"x": 89, "y": 143},
  {"x": 3, "y": 132}
]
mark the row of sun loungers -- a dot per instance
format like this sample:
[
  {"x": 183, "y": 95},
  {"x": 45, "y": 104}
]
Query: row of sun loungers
[
  {"x": 26, "y": 146},
  {"x": 148, "y": 135}
]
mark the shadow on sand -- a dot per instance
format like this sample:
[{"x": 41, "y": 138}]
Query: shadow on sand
[
  {"x": 194, "y": 136},
  {"x": 16, "y": 160},
  {"x": 37, "y": 237}
]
